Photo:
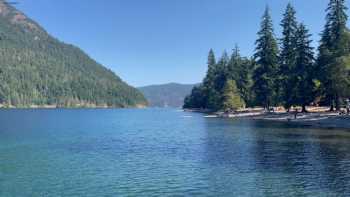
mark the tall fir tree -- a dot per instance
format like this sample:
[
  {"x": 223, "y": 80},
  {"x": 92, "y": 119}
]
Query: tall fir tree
[
  {"x": 266, "y": 57},
  {"x": 211, "y": 68},
  {"x": 334, "y": 46},
  {"x": 288, "y": 57},
  {"x": 220, "y": 79},
  {"x": 204, "y": 96},
  {"x": 210, "y": 93},
  {"x": 304, "y": 86}
]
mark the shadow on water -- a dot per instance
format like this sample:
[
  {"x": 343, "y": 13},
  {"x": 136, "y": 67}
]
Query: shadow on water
[{"x": 271, "y": 158}]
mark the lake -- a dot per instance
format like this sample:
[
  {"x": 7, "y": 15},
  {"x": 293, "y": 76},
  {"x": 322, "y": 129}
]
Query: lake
[{"x": 166, "y": 152}]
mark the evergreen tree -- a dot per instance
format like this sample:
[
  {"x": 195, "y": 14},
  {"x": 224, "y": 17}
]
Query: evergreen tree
[
  {"x": 304, "y": 69},
  {"x": 288, "y": 57},
  {"x": 210, "y": 93},
  {"x": 234, "y": 64},
  {"x": 267, "y": 60},
  {"x": 221, "y": 73},
  {"x": 238, "y": 70},
  {"x": 213, "y": 84},
  {"x": 334, "y": 46},
  {"x": 292, "y": 78},
  {"x": 196, "y": 100},
  {"x": 231, "y": 97},
  {"x": 208, "y": 81}
]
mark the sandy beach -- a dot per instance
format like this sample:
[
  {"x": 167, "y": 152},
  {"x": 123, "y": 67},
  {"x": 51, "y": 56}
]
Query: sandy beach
[{"x": 316, "y": 117}]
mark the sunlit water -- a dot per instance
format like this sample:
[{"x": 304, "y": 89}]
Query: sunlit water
[{"x": 165, "y": 152}]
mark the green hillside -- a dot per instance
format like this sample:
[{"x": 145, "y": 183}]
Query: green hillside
[
  {"x": 37, "y": 70},
  {"x": 166, "y": 95}
]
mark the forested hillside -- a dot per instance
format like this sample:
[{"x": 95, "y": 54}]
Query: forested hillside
[
  {"x": 166, "y": 95},
  {"x": 283, "y": 71},
  {"x": 37, "y": 70}
]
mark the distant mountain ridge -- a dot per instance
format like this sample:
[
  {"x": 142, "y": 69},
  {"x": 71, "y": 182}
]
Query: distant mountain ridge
[
  {"x": 166, "y": 95},
  {"x": 36, "y": 69}
]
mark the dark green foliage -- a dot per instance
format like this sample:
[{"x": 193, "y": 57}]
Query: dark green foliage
[
  {"x": 37, "y": 69},
  {"x": 239, "y": 70},
  {"x": 216, "y": 80},
  {"x": 266, "y": 63},
  {"x": 167, "y": 95},
  {"x": 291, "y": 77},
  {"x": 212, "y": 94},
  {"x": 286, "y": 79},
  {"x": 334, "y": 47},
  {"x": 231, "y": 97},
  {"x": 296, "y": 60},
  {"x": 304, "y": 86},
  {"x": 221, "y": 72},
  {"x": 196, "y": 100}
]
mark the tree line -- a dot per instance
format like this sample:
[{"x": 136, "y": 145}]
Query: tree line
[{"x": 282, "y": 72}]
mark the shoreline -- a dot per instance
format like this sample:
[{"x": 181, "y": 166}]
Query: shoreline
[
  {"x": 2, "y": 107},
  {"x": 314, "y": 119},
  {"x": 327, "y": 120}
]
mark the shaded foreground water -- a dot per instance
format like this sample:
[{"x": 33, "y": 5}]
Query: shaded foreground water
[{"x": 164, "y": 152}]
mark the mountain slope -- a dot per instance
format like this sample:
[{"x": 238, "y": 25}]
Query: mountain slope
[
  {"x": 37, "y": 69},
  {"x": 166, "y": 95}
]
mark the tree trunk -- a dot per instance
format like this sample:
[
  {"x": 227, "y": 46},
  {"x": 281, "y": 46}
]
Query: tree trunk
[
  {"x": 304, "y": 109},
  {"x": 267, "y": 106},
  {"x": 332, "y": 105},
  {"x": 337, "y": 103}
]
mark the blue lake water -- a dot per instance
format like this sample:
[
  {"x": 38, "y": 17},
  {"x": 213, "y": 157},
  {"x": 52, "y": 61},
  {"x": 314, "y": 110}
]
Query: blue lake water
[{"x": 166, "y": 152}]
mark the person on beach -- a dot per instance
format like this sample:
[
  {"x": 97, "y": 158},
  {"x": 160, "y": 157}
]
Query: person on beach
[{"x": 347, "y": 106}]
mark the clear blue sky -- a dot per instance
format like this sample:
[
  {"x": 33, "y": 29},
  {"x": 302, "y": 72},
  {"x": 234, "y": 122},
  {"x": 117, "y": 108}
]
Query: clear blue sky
[{"x": 159, "y": 41}]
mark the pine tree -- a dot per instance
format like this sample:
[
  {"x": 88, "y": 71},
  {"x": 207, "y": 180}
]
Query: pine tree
[
  {"x": 288, "y": 57},
  {"x": 266, "y": 59},
  {"x": 231, "y": 97},
  {"x": 334, "y": 46},
  {"x": 304, "y": 68}
]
